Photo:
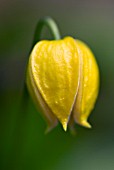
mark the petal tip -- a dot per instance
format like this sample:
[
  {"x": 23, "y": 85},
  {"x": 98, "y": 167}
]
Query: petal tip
[
  {"x": 65, "y": 126},
  {"x": 51, "y": 126},
  {"x": 85, "y": 124}
]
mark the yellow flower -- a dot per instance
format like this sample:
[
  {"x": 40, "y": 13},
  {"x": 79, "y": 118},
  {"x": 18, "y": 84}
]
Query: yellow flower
[{"x": 63, "y": 80}]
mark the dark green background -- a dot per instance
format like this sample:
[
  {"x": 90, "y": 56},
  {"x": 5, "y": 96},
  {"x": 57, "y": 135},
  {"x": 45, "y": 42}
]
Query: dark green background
[{"x": 23, "y": 144}]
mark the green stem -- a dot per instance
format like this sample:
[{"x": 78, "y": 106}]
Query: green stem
[{"x": 50, "y": 23}]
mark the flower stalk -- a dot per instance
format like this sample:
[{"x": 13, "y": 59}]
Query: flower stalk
[{"x": 52, "y": 26}]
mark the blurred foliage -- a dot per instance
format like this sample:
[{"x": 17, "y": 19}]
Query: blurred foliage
[{"x": 23, "y": 144}]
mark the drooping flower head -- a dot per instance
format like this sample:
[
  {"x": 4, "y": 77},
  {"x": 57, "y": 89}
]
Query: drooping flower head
[{"x": 63, "y": 80}]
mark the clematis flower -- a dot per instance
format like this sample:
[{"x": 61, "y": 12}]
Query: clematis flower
[{"x": 63, "y": 80}]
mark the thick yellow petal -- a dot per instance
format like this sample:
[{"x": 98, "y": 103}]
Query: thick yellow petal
[
  {"x": 55, "y": 70},
  {"x": 38, "y": 100},
  {"x": 88, "y": 86}
]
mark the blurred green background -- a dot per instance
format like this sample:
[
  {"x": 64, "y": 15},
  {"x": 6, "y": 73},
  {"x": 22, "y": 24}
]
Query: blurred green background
[{"x": 23, "y": 144}]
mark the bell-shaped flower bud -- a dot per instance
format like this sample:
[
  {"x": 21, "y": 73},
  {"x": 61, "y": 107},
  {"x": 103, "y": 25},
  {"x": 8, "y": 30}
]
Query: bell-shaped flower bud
[{"x": 63, "y": 80}]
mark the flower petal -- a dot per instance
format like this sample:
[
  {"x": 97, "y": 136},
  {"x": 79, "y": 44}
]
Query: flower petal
[
  {"x": 55, "y": 70},
  {"x": 88, "y": 86}
]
